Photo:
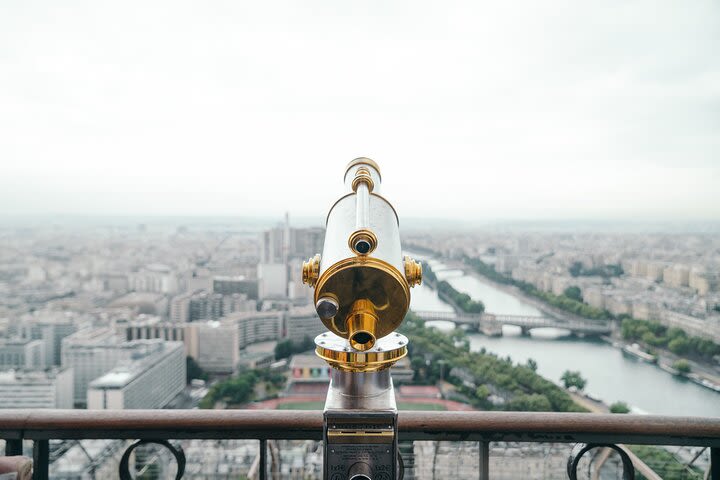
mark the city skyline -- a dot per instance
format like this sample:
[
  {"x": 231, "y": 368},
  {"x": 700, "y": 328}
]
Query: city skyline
[
  {"x": 213, "y": 316},
  {"x": 549, "y": 111},
  {"x": 177, "y": 299}
]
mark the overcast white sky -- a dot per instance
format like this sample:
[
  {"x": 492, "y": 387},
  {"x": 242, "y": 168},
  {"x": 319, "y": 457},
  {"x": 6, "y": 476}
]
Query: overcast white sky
[{"x": 491, "y": 110}]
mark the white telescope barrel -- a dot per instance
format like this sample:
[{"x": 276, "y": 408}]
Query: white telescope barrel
[
  {"x": 362, "y": 207},
  {"x": 362, "y": 210},
  {"x": 361, "y": 280}
]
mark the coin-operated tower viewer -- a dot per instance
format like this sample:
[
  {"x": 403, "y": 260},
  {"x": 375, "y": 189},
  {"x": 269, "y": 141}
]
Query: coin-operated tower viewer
[{"x": 362, "y": 293}]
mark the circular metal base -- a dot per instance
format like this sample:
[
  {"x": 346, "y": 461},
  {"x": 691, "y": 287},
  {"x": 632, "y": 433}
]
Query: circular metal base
[{"x": 339, "y": 354}]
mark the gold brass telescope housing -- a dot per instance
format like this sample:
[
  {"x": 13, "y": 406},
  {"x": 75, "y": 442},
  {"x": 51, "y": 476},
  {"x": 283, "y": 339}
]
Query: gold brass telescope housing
[
  {"x": 362, "y": 282},
  {"x": 362, "y": 292}
]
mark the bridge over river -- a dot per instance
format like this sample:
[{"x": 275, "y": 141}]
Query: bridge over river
[{"x": 491, "y": 324}]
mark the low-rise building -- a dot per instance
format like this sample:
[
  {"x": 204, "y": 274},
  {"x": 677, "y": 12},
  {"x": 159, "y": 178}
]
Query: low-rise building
[
  {"x": 49, "y": 327},
  {"x": 302, "y": 323},
  {"x": 231, "y": 285},
  {"x": 677, "y": 275},
  {"x": 256, "y": 327},
  {"x": 309, "y": 368},
  {"x": 217, "y": 346},
  {"x": 618, "y": 304},
  {"x": 704, "y": 282},
  {"x": 180, "y": 308},
  {"x": 22, "y": 353},
  {"x": 708, "y": 328},
  {"x": 152, "y": 376},
  {"x": 272, "y": 280},
  {"x": 155, "y": 278},
  {"x": 90, "y": 353},
  {"x": 51, "y": 388},
  {"x": 149, "y": 303},
  {"x": 203, "y": 305},
  {"x": 594, "y": 297}
]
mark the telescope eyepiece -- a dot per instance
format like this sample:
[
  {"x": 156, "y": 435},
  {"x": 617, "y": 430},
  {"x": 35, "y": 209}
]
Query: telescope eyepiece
[
  {"x": 362, "y": 246},
  {"x": 327, "y": 308}
]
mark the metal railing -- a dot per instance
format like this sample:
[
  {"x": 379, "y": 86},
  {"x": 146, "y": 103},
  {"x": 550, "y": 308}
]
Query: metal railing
[{"x": 40, "y": 426}]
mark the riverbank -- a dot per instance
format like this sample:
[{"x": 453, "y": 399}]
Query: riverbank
[
  {"x": 482, "y": 379},
  {"x": 664, "y": 360},
  {"x": 702, "y": 375},
  {"x": 545, "y": 308}
]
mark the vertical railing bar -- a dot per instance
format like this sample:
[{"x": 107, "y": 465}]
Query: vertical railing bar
[
  {"x": 41, "y": 460},
  {"x": 263, "y": 460},
  {"x": 13, "y": 447},
  {"x": 484, "y": 467},
  {"x": 715, "y": 463}
]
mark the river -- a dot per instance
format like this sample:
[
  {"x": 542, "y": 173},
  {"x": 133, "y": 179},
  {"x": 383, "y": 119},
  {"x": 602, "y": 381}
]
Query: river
[{"x": 611, "y": 375}]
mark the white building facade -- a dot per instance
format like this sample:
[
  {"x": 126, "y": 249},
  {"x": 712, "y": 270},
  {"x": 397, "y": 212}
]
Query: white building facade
[
  {"x": 90, "y": 353},
  {"x": 151, "y": 379},
  {"x": 218, "y": 346},
  {"x": 51, "y": 388}
]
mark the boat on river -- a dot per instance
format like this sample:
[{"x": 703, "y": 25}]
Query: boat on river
[{"x": 638, "y": 352}]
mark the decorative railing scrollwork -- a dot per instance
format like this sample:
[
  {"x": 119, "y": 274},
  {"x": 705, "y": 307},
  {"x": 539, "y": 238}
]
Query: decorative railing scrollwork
[
  {"x": 39, "y": 426},
  {"x": 581, "y": 449},
  {"x": 177, "y": 452}
]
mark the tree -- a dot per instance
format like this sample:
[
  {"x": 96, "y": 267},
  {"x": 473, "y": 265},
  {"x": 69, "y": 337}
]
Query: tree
[
  {"x": 576, "y": 269},
  {"x": 193, "y": 370},
  {"x": 418, "y": 366},
  {"x": 532, "y": 364},
  {"x": 573, "y": 379},
  {"x": 283, "y": 349},
  {"x": 682, "y": 366},
  {"x": 619, "y": 407},
  {"x": 679, "y": 345},
  {"x": 482, "y": 392},
  {"x": 574, "y": 293},
  {"x": 535, "y": 402},
  {"x": 234, "y": 390},
  {"x": 288, "y": 347}
]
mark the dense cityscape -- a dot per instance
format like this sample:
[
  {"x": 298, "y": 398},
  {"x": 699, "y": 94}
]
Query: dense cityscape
[
  {"x": 214, "y": 315},
  {"x": 671, "y": 278}
]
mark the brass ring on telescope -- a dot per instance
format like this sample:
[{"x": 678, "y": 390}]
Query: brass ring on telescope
[
  {"x": 362, "y": 234},
  {"x": 337, "y": 352},
  {"x": 354, "y": 361},
  {"x": 310, "y": 270},
  {"x": 362, "y": 161},
  {"x": 362, "y": 175},
  {"x": 382, "y": 284}
]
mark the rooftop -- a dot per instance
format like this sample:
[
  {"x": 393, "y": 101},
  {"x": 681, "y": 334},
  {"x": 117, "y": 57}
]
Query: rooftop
[
  {"x": 145, "y": 353},
  {"x": 307, "y": 360},
  {"x": 30, "y": 377}
]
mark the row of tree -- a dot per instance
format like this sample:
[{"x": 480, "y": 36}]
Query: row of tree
[
  {"x": 569, "y": 301},
  {"x": 428, "y": 274},
  {"x": 461, "y": 299},
  {"x": 577, "y": 269},
  {"x": 236, "y": 390},
  {"x": 650, "y": 333},
  {"x": 484, "y": 379},
  {"x": 241, "y": 388},
  {"x": 676, "y": 340},
  {"x": 287, "y": 348}
]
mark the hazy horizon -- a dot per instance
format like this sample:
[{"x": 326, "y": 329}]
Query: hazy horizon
[
  {"x": 408, "y": 224},
  {"x": 475, "y": 112}
]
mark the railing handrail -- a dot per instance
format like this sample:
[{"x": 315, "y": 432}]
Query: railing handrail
[{"x": 413, "y": 425}]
